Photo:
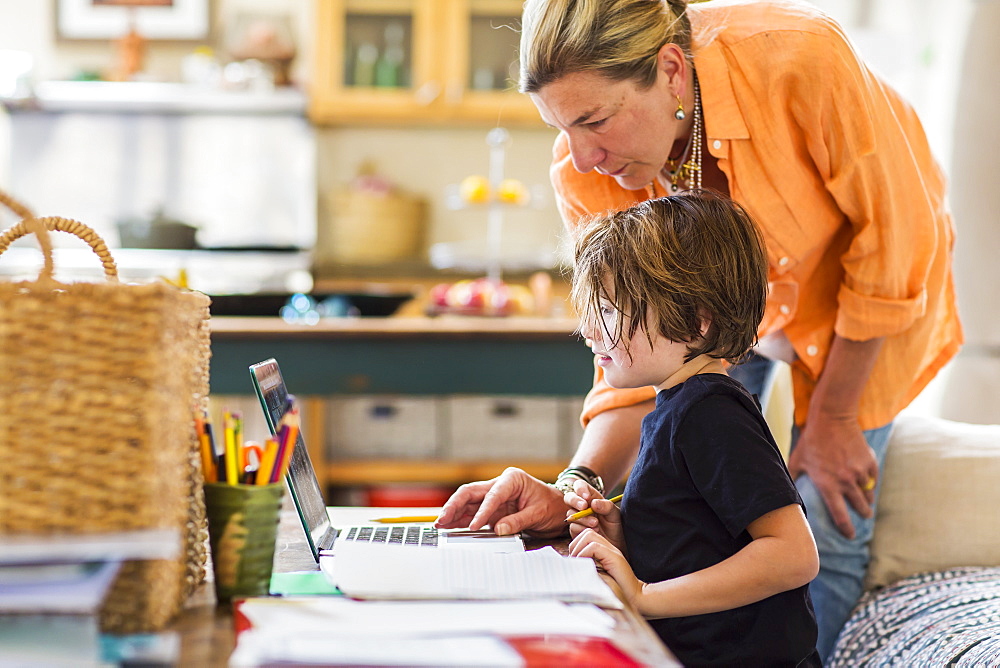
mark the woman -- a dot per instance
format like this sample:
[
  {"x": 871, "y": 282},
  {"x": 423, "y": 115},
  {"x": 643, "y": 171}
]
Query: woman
[{"x": 768, "y": 103}]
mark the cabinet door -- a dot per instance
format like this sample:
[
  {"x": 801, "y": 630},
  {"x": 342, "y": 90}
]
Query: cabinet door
[
  {"x": 481, "y": 70},
  {"x": 376, "y": 60},
  {"x": 418, "y": 61}
]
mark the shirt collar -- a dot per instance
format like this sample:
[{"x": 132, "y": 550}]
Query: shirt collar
[{"x": 723, "y": 118}]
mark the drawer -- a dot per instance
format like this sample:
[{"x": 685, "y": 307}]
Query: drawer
[
  {"x": 504, "y": 428},
  {"x": 383, "y": 427}
]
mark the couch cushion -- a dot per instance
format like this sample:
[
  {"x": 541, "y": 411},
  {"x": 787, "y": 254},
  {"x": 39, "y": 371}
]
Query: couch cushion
[
  {"x": 939, "y": 503},
  {"x": 946, "y": 618}
]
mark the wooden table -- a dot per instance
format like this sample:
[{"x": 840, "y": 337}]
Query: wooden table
[{"x": 207, "y": 636}]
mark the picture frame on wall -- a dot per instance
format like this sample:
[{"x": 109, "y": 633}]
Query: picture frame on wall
[{"x": 153, "y": 19}]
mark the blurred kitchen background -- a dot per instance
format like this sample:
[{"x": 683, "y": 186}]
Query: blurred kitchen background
[{"x": 318, "y": 144}]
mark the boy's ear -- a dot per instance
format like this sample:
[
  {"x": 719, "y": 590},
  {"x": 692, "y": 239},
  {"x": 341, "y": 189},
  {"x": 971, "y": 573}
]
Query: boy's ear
[{"x": 706, "y": 321}]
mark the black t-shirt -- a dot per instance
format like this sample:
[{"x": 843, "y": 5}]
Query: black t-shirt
[{"x": 708, "y": 467}]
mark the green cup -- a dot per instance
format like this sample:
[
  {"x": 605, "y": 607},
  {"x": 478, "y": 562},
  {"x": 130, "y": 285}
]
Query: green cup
[{"x": 242, "y": 529}]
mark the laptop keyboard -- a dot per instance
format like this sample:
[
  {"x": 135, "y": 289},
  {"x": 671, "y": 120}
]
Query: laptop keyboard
[{"x": 402, "y": 535}]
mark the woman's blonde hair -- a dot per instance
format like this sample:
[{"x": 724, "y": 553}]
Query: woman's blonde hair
[
  {"x": 673, "y": 265},
  {"x": 619, "y": 39}
]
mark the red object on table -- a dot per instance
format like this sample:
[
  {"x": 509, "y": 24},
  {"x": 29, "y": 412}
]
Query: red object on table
[
  {"x": 570, "y": 652},
  {"x": 407, "y": 496}
]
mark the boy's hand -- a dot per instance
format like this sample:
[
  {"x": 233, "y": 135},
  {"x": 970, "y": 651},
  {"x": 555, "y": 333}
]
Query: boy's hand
[
  {"x": 609, "y": 558},
  {"x": 606, "y": 520}
]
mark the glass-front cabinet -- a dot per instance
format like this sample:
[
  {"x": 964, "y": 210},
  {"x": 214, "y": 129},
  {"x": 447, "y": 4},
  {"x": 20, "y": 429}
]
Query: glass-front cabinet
[{"x": 418, "y": 60}]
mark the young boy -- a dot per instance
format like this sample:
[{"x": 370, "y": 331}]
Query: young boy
[{"x": 711, "y": 542}]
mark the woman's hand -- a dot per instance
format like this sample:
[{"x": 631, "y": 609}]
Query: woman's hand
[
  {"x": 609, "y": 558},
  {"x": 510, "y": 503},
  {"x": 606, "y": 520},
  {"x": 832, "y": 449},
  {"x": 837, "y": 458}
]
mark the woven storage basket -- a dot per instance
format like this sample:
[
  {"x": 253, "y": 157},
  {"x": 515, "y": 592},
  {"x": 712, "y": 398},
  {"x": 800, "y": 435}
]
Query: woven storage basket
[
  {"x": 371, "y": 229},
  {"x": 96, "y": 418}
]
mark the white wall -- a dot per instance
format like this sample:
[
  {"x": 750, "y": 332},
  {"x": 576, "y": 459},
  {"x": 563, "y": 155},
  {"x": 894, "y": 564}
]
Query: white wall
[
  {"x": 30, "y": 26},
  {"x": 973, "y": 387}
]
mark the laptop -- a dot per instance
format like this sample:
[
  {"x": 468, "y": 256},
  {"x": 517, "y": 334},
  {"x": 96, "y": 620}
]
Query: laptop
[{"x": 307, "y": 496}]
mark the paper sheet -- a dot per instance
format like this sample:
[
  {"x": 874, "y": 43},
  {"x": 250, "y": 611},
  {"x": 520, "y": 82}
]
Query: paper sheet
[
  {"x": 256, "y": 650},
  {"x": 363, "y": 571},
  {"x": 335, "y": 630}
]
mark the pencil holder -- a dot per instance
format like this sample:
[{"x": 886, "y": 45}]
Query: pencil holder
[{"x": 242, "y": 529}]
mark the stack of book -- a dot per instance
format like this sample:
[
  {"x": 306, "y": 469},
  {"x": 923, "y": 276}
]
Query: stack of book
[{"x": 52, "y": 586}]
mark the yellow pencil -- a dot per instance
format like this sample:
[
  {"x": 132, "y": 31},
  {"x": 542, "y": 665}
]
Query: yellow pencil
[
  {"x": 267, "y": 462},
  {"x": 232, "y": 454},
  {"x": 205, "y": 448},
  {"x": 408, "y": 518},
  {"x": 590, "y": 511}
]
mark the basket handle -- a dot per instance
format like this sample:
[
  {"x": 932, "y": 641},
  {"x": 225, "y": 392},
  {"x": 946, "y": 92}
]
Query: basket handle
[
  {"x": 15, "y": 206},
  {"x": 40, "y": 228}
]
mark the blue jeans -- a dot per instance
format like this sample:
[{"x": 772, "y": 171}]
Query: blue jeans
[{"x": 842, "y": 562}]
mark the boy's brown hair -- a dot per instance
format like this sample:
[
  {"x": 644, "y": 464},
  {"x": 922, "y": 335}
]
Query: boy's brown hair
[{"x": 681, "y": 260}]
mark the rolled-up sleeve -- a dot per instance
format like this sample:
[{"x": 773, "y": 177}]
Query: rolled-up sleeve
[{"x": 873, "y": 174}]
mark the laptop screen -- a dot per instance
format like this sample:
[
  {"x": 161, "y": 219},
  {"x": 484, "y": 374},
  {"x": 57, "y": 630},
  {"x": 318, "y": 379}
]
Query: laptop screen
[{"x": 301, "y": 476}]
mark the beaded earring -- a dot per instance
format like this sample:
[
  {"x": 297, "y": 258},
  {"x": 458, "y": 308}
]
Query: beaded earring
[{"x": 679, "y": 114}]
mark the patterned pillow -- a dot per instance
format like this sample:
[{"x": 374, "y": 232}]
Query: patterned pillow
[{"x": 944, "y": 618}]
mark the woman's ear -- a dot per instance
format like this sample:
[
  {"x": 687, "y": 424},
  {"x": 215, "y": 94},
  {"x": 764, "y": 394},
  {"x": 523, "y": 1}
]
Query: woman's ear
[{"x": 672, "y": 67}]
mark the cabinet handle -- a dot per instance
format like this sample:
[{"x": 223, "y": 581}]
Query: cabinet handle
[
  {"x": 428, "y": 93},
  {"x": 503, "y": 409},
  {"x": 383, "y": 411}
]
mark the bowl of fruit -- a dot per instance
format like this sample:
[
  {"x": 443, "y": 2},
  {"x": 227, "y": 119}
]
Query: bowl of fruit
[{"x": 482, "y": 297}]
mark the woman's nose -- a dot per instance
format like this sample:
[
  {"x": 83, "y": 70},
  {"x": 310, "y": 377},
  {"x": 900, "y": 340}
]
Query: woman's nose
[{"x": 585, "y": 153}]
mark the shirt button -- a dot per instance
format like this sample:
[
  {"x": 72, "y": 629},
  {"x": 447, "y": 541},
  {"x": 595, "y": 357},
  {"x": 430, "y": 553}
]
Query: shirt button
[
  {"x": 717, "y": 144},
  {"x": 784, "y": 309},
  {"x": 812, "y": 350},
  {"x": 783, "y": 261}
]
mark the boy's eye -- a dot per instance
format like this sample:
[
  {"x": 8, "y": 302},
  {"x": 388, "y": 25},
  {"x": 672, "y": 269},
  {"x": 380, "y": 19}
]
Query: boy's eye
[{"x": 597, "y": 124}]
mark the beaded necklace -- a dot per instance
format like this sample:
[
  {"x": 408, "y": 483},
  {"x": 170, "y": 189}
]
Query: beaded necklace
[{"x": 685, "y": 171}]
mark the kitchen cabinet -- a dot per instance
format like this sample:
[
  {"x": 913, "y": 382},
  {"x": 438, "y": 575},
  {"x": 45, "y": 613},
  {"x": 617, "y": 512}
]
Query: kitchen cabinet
[
  {"x": 429, "y": 61},
  {"x": 536, "y": 364}
]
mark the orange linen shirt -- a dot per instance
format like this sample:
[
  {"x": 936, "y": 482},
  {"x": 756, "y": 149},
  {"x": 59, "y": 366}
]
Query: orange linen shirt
[{"x": 835, "y": 168}]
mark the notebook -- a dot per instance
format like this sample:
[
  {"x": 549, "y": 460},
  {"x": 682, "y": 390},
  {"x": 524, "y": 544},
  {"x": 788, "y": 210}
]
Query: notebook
[{"x": 308, "y": 497}]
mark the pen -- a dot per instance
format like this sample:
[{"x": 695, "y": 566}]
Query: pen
[
  {"x": 408, "y": 518},
  {"x": 590, "y": 511}
]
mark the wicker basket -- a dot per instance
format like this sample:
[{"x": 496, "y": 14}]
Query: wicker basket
[
  {"x": 372, "y": 229},
  {"x": 96, "y": 430}
]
